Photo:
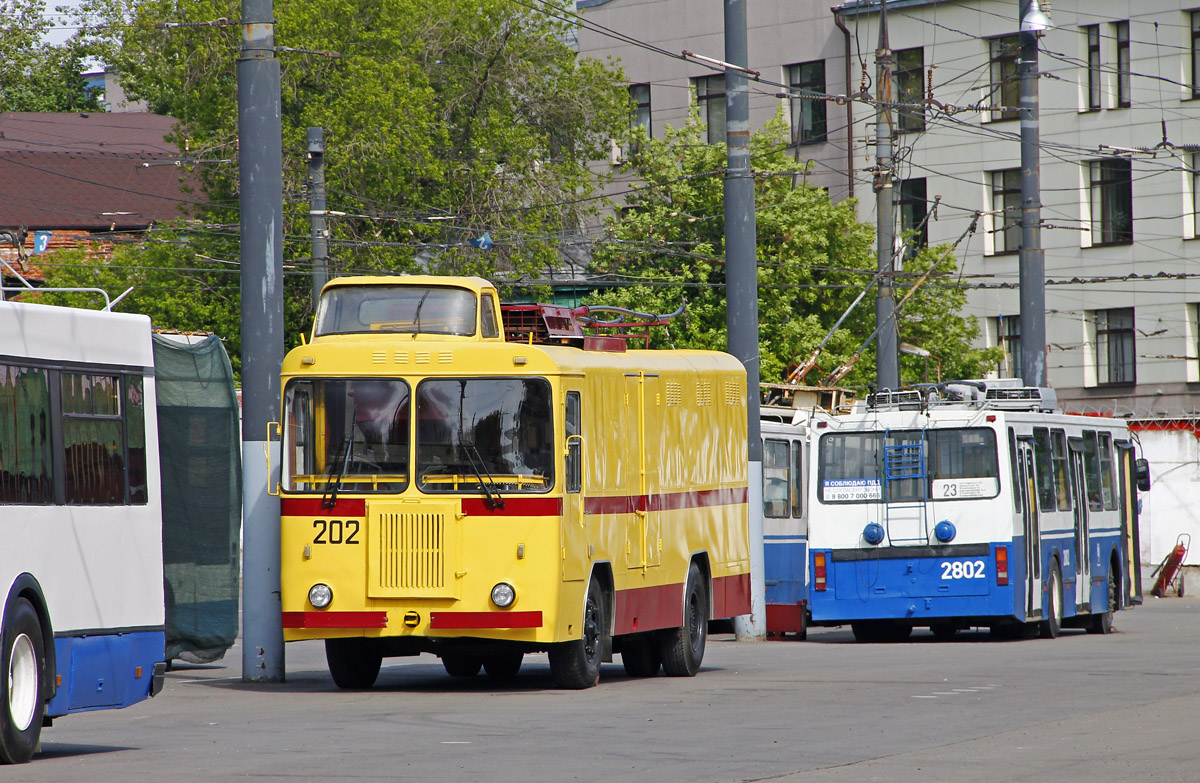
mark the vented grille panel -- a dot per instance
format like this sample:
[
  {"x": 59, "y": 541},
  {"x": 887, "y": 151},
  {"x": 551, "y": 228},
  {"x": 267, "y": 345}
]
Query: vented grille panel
[{"x": 410, "y": 554}]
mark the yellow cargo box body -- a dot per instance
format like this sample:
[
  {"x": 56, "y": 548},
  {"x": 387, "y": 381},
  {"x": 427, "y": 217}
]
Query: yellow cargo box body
[{"x": 506, "y": 480}]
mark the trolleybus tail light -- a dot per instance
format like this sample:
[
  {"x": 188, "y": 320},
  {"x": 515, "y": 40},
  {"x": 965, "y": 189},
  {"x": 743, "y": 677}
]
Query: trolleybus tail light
[
  {"x": 1002, "y": 565},
  {"x": 819, "y": 571}
]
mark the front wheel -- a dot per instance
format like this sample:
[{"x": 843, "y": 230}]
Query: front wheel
[
  {"x": 639, "y": 655},
  {"x": 682, "y": 649},
  {"x": 353, "y": 663},
  {"x": 23, "y": 703},
  {"x": 463, "y": 665},
  {"x": 1103, "y": 622},
  {"x": 503, "y": 667},
  {"x": 1054, "y": 605},
  {"x": 576, "y": 664}
]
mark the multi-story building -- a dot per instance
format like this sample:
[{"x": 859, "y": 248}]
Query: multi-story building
[{"x": 1119, "y": 99}]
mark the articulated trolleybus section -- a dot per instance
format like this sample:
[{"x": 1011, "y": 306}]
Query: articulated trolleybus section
[
  {"x": 972, "y": 504},
  {"x": 478, "y": 488}
]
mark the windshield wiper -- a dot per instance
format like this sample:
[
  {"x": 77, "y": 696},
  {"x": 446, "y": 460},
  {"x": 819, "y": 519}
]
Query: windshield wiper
[
  {"x": 494, "y": 500},
  {"x": 336, "y": 471}
]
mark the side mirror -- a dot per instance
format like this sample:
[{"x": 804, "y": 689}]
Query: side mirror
[{"x": 1141, "y": 472}]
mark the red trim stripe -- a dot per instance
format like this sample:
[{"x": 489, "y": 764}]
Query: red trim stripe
[
  {"x": 514, "y": 507},
  {"x": 335, "y": 619},
  {"x": 450, "y": 620},
  {"x": 666, "y": 501},
  {"x": 312, "y": 507}
]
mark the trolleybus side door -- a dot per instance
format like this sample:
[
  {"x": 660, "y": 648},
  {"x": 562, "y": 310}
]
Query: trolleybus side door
[
  {"x": 1031, "y": 526},
  {"x": 1079, "y": 490},
  {"x": 574, "y": 532}
]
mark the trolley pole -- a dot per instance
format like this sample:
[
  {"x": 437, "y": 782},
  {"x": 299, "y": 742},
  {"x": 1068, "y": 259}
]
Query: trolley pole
[
  {"x": 316, "y": 211},
  {"x": 1031, "y": 260},
  {"x": 887, "y": 355},
  {"x": 260, "y": 164},
  {"x": 741, "y": 306}
]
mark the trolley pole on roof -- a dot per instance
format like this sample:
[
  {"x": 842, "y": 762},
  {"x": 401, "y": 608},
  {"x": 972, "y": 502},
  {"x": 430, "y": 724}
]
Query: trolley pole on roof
[
  {"x": 260, "y": 164},
  {"x": 1031, "y": 260},
  {"x": 887, "y": 355},
  {"x": 316, "y": 211},
  {"x": 741, "y": 306}
]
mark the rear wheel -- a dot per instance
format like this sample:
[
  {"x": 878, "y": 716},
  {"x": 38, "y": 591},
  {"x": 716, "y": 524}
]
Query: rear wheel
[
  {"x": 880, "y": 631},
  {"x": 23, "y": 661},
  {"x": 682, "y": 649},
  {"x": 943, "y": 631},
  {"x": 1103, "y": 622},
  {"x": 503, "y": 666},
  {"x": 1054, "y": 605},
  {"x": 463, "y": 665},
  {"x": 639, "y": 655},
  {"x": 354, "y": 663},
  {"x": 576, "y": 664}
]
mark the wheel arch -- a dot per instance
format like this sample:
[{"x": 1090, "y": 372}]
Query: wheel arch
[
  {"x": 602, "y": 571},
  {"x": 27, "y": 586},
  {"x": 700, "y": 558}
]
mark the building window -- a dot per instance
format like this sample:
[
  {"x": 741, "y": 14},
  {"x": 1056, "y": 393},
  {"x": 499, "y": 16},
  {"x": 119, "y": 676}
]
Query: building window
[
  {"x": 639, "y": 96},
  {"x": 1115, "y": 346},
  {"x": 1006, "y": 80},
  {"x": 1093, "y": 65},
  {"x": 808, "y": 114},
  {"x": 710, "y": 97},
  {"x": 910, "y": 87},
  {"x": 1010, "y": 340},
  {"x": 912, "y": 203},
  {"x": 1111, "y": 200},
  {"x": 1006, "y": 204},
  {"x": 1194, "y": 178},
  {"x": 1196, "y": 54},
  {"x": 1121, "y": 33}
]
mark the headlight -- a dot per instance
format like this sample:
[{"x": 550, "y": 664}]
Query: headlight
[
  {"x": 503, "y": 595},
  {"x": 320, "y": 595}
]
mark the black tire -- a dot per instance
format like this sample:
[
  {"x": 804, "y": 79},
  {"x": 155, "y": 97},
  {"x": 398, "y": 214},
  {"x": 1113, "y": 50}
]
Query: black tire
[
  {"x": 1052, "y": 625},
  {"x": 943, "y": 632},
  {"x": 353, "y": 663},
  {"x": 682, "y": 649},
  {"x": 639, "y": 656},
  {"x": 22, "y": 684},
  {"x": 463, "y": 665},
  {"x": 576, "y": 664},
  {"x": 1102, "y": 623},
  {"x": 503, "y": 667},
  {"x": 880, "y": 631}
]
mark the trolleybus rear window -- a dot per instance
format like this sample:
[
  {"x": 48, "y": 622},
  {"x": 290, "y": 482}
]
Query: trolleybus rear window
[
  {"x": 908, "y": 465},
  {"x": 405, "y": 309},
  {"x": 485, "y": 435},
  {"x": 350, "y": 435}
]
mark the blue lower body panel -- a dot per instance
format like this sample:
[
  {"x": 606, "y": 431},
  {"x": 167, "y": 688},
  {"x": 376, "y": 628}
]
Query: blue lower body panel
[
  {"x": 783, "y": 570},
  {"x": 105, "y": 671}
]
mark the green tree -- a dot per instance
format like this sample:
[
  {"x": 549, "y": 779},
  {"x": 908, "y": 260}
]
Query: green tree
[
  {"x": 36, "y": 76},
  {"x": 814, "y": 258}
]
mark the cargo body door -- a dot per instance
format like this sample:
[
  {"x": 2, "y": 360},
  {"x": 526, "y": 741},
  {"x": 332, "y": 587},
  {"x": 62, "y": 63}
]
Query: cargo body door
[{"x": 642, "y": 422}]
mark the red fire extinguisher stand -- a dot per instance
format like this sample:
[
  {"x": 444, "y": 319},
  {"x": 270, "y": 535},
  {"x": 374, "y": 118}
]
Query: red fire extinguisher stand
[{"x": 1170, "y": 575}]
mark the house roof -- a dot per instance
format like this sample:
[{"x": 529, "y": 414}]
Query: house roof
[{"x": 95, "y": 171}]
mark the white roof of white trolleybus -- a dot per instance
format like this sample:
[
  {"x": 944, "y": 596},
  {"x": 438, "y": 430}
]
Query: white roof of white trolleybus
[{"x": 70, "y": 334}]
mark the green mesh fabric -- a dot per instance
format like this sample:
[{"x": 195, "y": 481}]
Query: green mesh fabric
[{"x": 200, "y": 455}]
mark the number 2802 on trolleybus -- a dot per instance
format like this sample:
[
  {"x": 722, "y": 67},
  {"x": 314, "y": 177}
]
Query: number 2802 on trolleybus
[
  {"x": 971, "y": 504},
  {"x": 479, "y": 489}
]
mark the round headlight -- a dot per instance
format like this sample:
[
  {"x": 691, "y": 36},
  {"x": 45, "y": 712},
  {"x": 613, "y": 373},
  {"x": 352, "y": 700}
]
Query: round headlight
[
  {"x": 320, "y": 595},
  {"x": 503, "y": 595},
  {"x": 873, "y": 533}
]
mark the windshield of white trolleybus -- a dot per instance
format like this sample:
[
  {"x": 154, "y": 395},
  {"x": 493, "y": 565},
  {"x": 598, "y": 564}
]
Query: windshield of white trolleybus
[
  {"x": 348, "y": 435},
  {"x": 407, "y": 309},
  {"x": 488, "y": 435},
  {"x": 942, "y": 464}
]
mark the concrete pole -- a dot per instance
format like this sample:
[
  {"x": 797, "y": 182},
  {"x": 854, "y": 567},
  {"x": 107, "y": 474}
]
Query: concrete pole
[
  {"x": 887, "y": 353},
  {"x": 316, "y": 211},
  {"x": 741, "y": 307},
  {"x": 260, "y": 164},
  {"x": 1031, "y": 260}
]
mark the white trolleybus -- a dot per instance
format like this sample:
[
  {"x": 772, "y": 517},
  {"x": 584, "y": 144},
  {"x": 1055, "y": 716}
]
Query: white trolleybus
[
  {"x": 81, "y": 569},
  {"x": 971, "y": 504}
]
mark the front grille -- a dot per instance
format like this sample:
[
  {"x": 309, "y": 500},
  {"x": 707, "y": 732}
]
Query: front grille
[{"x": 410, "y": 554}]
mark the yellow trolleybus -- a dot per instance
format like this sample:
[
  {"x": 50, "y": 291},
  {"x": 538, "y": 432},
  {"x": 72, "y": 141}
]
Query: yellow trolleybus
[{"x": 478, "y": 488}]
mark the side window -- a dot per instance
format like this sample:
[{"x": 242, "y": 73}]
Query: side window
[
  {"x": 487, "y": 316},
  {"x": 1107, "y": 487},
  {"x": 775, "y": 479},
  {"x": 1062, "y": 487},
  {"x": 26, "y": 464},
  {"x": 574, "y": 466},
  {"x": 135, "y": 439},
  {"x": 1045, "y": 470},
  {"x": 1091, "y": 470},
  {"x": 93, "y": 442},
  {"x": 797, "y": 479},
  {"x": 1016, "y": 473}
]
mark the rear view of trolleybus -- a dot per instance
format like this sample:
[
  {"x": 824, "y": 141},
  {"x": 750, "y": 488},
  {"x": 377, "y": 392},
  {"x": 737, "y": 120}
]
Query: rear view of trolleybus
[
  {"x": 449, "y": 490},
  {"x": 972, "y": 504}
]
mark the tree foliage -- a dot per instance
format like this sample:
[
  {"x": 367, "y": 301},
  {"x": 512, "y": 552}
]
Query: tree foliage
[
  {"x": 36, "y": 76},
  {"x": 814, "y": 258}
]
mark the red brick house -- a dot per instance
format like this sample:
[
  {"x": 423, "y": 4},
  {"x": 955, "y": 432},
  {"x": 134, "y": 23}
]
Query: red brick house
[{"x": 91, "y": 179}]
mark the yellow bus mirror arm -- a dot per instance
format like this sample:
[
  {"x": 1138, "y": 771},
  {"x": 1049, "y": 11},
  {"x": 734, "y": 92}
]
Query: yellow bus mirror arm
[{"x": 273, "y": 428}]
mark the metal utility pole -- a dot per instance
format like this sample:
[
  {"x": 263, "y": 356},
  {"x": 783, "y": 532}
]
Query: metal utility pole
[
  {"x": 316, "y": 211},
  {"x": 741, "y": 276},
  {"x": 260, "y": 164},
  {"x": 887, "y": 356},
  {"x": 1031, "y": 260}
]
